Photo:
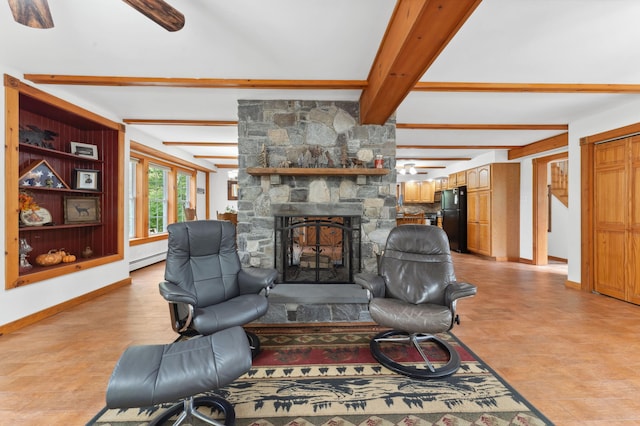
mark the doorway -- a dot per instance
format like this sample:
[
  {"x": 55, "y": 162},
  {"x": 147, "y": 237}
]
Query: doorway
[{"x": 541, "y": 205}]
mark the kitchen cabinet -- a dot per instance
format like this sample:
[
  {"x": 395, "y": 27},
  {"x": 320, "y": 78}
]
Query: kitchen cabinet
[
  {"x": 80, "y": 191},
  {"x": 493, "y": 211},
  {"x": 478, "y": 177},
  {"x": 418, "y": 192}
]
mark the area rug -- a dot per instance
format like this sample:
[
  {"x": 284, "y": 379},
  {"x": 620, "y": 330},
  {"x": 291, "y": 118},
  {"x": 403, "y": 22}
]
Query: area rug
[{"x": 327, "y": 376}]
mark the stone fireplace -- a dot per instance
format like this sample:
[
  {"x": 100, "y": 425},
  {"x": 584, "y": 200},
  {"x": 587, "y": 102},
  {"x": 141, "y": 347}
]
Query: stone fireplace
[{"x": 285, "y": 134}]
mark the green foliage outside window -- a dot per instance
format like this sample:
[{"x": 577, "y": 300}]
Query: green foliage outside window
[{"x": 157, "y": 200}]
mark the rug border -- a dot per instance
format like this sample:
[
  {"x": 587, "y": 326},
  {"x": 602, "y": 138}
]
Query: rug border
[
  {"x": 531, "y": 407},
  {"x": 526, "y": 402}
]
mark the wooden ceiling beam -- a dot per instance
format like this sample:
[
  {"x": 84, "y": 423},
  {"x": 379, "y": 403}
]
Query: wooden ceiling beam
[
  {"x": 433, "y": 158},
  {"x": 554, "y": 142},
  {"x": 457, "y": 146},
  {"x": 205, "y": 83},
  {"x": 159, "y": 12},
  {"x": 239, "y": 83},
  {"x": 416, "y": 34},
  {"x": 208, "y": 144},
  {"x": 461, "y": 126},
  {"x": 163, "y": 122},
  {"x": 226, "y": 166},
  {"x": 424, "y": 86},
  {"x": 218, "y": 157}
]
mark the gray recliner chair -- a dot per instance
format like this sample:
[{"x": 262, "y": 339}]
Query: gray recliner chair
[
  {"x": 149, "y": 375},
  {"x": 205, "y": 285},
  {"x": 415, "y": 294}
]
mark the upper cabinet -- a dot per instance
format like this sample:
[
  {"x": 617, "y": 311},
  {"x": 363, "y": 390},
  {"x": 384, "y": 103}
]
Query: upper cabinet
[
  {"x": 64, "y": 168},
  {"x": 418, "y": 192}
]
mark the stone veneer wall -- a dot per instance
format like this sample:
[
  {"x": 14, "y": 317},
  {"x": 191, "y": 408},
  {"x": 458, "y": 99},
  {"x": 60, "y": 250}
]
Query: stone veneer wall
[{"x": 287, "y": 129}]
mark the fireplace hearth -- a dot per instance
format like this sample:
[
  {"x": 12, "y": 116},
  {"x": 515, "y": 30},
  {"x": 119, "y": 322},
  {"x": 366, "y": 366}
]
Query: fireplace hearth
[{"x": 317, "y": 249}]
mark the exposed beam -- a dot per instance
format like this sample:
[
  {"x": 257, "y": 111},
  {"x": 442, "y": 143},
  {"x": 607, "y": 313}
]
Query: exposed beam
[
  {"x": 209, "y": 83},
  {"x": 219, "y": 157},
  {"x": 160, "y": 121},
  {"x": 433, "y": 158},
  {"x": 416, "y": 34},
  {"x": 147, "y": 150},
  {"x": 424, "y": 167},
  {"x": 209, "y": 144},
  {"x": 226, "y": 166},
  {"x": 457, "y": 146},
  {"x": 425, "y": 126},
  {"x": 159, "y": 12},
  {"x": 240, "y": 83},
  {"x": 557, "y": 141},
  {"x": 526, "y": 87},
  {"x": 32, "y": 13}
]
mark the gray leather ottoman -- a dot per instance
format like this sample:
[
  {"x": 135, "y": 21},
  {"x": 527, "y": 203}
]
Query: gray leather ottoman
[{"x": 148, "y": 375}]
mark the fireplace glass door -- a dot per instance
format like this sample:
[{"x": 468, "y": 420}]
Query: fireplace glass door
[{"x": 317, "y": 249}]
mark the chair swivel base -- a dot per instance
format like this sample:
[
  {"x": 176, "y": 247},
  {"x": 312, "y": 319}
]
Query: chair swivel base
[
  {"x": 428, "y": 370},
  {"x": 187, "y": 409}
]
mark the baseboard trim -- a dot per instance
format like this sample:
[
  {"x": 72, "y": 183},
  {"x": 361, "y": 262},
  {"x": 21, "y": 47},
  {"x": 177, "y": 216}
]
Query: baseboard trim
[
  {"x": 53, "y": 310},
  {"x": 557, "y": 259},
  {"x": 525, "y": 261},
  {"x": 572, "y": 284}
]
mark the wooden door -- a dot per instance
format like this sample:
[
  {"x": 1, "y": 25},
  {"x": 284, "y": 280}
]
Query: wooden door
[
  {"x": 633, "y": 244},
  {"x": 611, "y": 194}
]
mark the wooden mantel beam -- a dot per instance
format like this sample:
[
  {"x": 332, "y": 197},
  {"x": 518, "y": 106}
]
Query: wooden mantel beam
[{"x": 417, "y": 32}]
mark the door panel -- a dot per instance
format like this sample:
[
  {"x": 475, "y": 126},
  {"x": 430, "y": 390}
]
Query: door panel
[
  {"x": 611, "y": 213},
  {"x": 609, "y": 263},
  {"x": 484, "y": 206}
]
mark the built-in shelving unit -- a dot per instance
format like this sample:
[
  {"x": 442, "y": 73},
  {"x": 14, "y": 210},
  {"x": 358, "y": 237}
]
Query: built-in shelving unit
[{"x": 27, "y": 108}]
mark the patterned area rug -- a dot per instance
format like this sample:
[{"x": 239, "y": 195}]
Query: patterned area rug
[{"x": 327, "y": 376}]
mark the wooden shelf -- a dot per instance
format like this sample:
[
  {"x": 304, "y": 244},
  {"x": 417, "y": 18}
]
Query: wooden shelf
[
  {"x": 55, "y": 227},
  {"x": 297, "y": 171},
  {"x": 25, "y": 147}
]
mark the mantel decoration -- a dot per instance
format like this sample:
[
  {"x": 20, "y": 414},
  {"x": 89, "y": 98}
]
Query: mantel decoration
[{"x": 40, "y": 174}]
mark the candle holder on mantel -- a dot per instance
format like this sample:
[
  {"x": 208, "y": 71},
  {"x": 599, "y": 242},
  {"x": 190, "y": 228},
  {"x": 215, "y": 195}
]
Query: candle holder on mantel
[{"x": 24, "y": 250}]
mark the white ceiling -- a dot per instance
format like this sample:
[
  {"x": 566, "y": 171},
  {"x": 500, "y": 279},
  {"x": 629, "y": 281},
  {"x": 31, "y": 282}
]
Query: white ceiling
[{"x": 515, "y": 41}]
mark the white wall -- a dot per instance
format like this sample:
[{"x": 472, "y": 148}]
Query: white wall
[
  {"x": 557, "y": 241},
  {"x": 218, "y": 200}
]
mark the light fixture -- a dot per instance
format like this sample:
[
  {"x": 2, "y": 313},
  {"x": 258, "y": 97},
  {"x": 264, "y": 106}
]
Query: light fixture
[
  {"x": 409, "y": 168},
  {"x": 233, "y": 174}
]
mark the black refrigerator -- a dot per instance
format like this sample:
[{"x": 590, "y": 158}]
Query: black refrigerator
[{"x": 454, "y": 217}]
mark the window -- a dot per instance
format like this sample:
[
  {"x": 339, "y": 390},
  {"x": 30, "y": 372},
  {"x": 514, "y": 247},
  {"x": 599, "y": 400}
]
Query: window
[
  {"x": 158, "y": 198},
  {"x": 133, "y": 164},
  {"x": 183, "y": 194},
  {"x": 160, "y": 186}
]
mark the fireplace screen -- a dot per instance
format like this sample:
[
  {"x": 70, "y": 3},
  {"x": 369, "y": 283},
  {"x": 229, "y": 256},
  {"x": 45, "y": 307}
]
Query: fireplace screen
[{"x": 317, "y": 249}]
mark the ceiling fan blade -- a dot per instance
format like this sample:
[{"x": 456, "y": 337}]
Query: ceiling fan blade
[
  {"x": 159, "y": 12},
  {"x": 32, "y": 13}
]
